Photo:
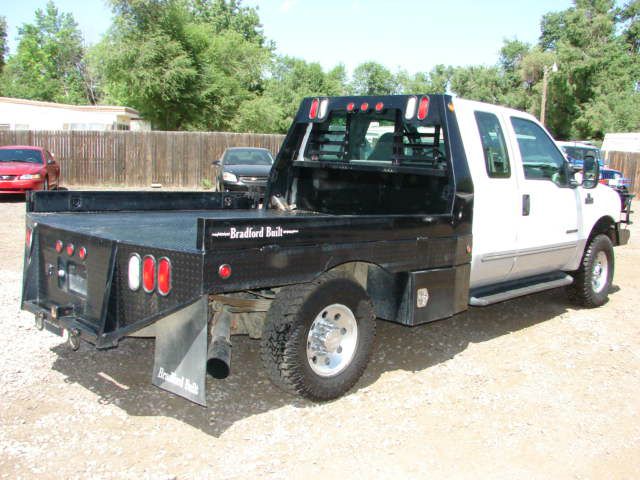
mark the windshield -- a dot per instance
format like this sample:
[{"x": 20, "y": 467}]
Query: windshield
[
  {"x": 375, "y": 138},
  {"x": 578, "y": 153},
  {"x": 249, "y": 156},
  {"x": 20, "y": 155}
]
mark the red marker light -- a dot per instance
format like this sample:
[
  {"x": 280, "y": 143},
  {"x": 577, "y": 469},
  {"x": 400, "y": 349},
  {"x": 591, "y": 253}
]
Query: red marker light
[
  {"x": 350, "y": 107},
  {"x": 224, "y": 271},
  {"x": 28, "y": 238},
  {"x": 70, "y": 249},
  {"x": 364, "y": 107},
  {"x": 59, "y": 246},
  {"x": 379, "y": 106},
  {"x": 164, "y": 276},
  {"x": 82, "y": 253},
  {"x": 313, "y": 112},
  {"x": 149, "y": 273},
  {"x": 423, "y": 109}
]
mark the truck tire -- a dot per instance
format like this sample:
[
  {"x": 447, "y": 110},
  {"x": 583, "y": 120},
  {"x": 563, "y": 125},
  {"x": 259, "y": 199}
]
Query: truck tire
[
  {"x": 592, "y": 281},
  {"x": 318, "y": 337}
]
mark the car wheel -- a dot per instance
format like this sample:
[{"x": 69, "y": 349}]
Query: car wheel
[
  {"x": 592, "y": 281},
  {"x": 318, "y": 337}
]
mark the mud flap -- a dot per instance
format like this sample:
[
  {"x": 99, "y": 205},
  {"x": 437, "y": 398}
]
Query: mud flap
[{"x": 181, "y": 352}]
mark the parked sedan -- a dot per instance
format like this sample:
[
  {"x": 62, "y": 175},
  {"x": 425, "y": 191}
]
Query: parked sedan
[
  {"x": 243, "y": 168},
  {"x": 25, "y": 168}
]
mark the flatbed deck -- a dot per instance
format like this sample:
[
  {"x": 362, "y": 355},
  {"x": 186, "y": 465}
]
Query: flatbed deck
[{"x": 173, "y": 230}]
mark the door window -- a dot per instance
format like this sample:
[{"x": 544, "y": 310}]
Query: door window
[
  {"x": 541, "y": 159},
  {"x": 494, "y": 145}
]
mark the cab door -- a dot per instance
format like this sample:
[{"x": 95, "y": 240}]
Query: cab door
[
  {"x": 496, "y": 212},
  {"x": 547, "y": 236}
]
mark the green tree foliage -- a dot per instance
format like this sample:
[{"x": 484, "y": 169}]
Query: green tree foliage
[
  {"x": 48, "y": 64},
  {"x": 184, "y": 64},
  {"x": 3, "y": 42},
  {"x": 371, "y": 78}
]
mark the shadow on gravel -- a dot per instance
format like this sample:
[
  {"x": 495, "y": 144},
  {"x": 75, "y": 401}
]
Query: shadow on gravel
[{"x": 122, "y": 376}]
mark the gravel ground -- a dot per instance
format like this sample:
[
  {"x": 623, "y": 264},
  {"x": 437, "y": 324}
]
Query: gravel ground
[{"x": 530, "y": 388}]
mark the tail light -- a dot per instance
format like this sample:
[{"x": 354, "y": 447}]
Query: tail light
[
  {"x": 364, "y": 107},
  {"x": 82, "y": 253},
  {"x": 423, "y": 109},
  {"x": 313, "y": 111},
  {"x": 350, "y": 106},
  {"x": 134, "y": 271},
  {"x": 149, "y": 273},
  {"x": 379, "y": 106},
  {"x": 164, "y": 276},
  {"x": 59, "y": 246},
  {"x": 324, "y": 106},
  {"x": 29, "y": 238},
  {"x": 70, "y": 249},
  {"x": 224, "y": 271}
]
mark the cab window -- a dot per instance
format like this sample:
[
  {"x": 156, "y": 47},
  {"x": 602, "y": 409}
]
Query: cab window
[
  {"x": 494, "y": 145},
  {"x": 541, "y": 159}
]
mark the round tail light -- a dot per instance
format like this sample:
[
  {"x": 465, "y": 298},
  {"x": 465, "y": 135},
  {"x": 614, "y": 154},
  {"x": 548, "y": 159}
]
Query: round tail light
[
  {"x": 59, "y": 246},
  {"x": 149, "y": 273},
  {"x": 164, "y": 276},
  {"x": 224, "y": 271},
  {"x": 70, "y": 249}
]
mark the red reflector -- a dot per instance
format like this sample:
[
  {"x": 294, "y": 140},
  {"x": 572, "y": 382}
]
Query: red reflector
[
  {"x": 379, "y": 106},
  {"x": 149, "y": 273},
  {"x": 350, "y": 107},
  {"x": 423, "y": 109},
  {"x": 59, "y": 246},
  {"x": 164, "y": 276},
  {"x": 70, "y": 249},
  {"x": 28, "y": 238},
  {"x": 313, "y": 112},
  {"x": 364, "y": 107},
  {"x": 82, "y": 253},
  {"x": 224, "y": 271}
]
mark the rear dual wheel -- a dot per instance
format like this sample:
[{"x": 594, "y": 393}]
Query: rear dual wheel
[{"x": 318, "y": 337}]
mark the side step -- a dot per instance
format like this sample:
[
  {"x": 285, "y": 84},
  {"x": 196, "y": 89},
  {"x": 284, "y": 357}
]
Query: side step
[{"x": 483, "y": 296}]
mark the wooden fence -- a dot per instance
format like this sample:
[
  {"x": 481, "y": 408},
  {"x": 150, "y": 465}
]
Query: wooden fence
[
  {"x": 138, "y": 159},
  {"x": 629, "y": 164}
]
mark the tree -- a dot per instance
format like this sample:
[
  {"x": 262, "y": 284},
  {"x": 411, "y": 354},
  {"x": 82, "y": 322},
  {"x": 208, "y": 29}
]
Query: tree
[
  {"x": 3, "y": 42},
  {"x": 49, "y": 63},
  {"x": 184, "y": 64},
  {"x": 371, "y": 78}
]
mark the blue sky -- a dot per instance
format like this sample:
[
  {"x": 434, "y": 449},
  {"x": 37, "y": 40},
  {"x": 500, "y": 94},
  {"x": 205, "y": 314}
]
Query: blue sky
[{"x": 411, "y": 34}]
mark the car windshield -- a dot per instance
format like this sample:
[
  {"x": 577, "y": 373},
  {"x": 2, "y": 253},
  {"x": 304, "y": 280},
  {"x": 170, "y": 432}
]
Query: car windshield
[
  {"x": 578, "y": 153},
  {"x": 249, "y": 156},
  {"x": 20, "y": 155}
]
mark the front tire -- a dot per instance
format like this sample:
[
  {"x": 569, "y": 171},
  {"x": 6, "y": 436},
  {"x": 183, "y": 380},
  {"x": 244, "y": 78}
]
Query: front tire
[
  {"x": 592, "y": 281},
  {"x": 318, "y": 337}
]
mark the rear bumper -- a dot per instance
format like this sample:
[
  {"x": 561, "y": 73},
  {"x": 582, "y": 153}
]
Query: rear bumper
[{"x": 56, "y": 319}]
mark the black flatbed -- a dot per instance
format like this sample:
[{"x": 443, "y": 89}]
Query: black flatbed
[{"x": 171, "y": 230}]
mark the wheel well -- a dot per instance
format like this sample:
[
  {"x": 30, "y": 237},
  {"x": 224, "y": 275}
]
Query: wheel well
[
  {"x": 359, "y": 270},
  {"x": 605, "y": 225}
]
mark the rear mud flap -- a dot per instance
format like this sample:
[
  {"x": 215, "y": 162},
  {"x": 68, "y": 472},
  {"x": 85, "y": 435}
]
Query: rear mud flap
[{"x": 181, "y": 352}]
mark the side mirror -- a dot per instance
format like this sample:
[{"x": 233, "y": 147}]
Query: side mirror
[
  {"x": 50, "y": 162},
  {"x": 590, "y": 172},
  {"x": 216, "y": 163}
]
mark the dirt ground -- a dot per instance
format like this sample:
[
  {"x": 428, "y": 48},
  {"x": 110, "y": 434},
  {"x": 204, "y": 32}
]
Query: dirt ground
[{"x": 530, "y": 388}]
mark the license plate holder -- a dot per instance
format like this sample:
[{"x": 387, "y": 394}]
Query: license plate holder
[{"x": 77, "y": 275}]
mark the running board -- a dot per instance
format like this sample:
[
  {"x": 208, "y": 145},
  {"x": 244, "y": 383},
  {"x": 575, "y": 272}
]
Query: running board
[{"x": 484, "y": 296}]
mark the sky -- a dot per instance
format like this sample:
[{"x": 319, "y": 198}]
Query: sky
[{"x": 413, "y": 35}]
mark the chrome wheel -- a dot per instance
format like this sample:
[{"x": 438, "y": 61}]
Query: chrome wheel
[
  {"x": 600, "y": 272},
  {"x": 332, "y": 340}
]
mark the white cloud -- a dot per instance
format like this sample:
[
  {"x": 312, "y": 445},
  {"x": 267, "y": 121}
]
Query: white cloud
[{"x": 287, "y": 5}]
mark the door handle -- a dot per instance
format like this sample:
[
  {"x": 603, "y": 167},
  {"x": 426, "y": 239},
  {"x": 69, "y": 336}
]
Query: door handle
[{"x": 526, "y": 204}]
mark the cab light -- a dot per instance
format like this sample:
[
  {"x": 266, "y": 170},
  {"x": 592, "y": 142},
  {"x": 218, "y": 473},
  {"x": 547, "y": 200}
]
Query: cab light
[
  {"x": 324, "y": 106},
  {"x": 135, "y": 266},
  {"x": 379, "y": 106},
  {"x": 164, "y": 276},
  {"x": 59, "y": 246},
  {"x": 313, "y": 112},
  {"x": 410, "y": 109},
  {"x": 351, "y": 106},
  {"x": 70, "y": 249},
  {"x": 364, "y": 107},
  {"x": 423, "y": 109},
  {"x": 149, "y": 274},
  {"x": 82, "y": 253},
  {"x": 224, "y": 271}
]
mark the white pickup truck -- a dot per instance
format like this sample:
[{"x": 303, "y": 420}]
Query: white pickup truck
[{"x": 405, "y": 208}]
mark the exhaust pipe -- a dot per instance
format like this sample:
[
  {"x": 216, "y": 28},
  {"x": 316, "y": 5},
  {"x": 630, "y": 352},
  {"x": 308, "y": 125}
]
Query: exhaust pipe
[{"x": 219, "y": 352}]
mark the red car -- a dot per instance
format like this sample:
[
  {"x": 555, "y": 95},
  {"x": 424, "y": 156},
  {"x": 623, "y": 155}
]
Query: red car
[{"x": 27, "y": 168}]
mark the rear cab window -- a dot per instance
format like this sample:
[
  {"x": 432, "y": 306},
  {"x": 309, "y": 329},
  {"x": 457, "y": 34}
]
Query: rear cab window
[{"x": 494, "y": 145}]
